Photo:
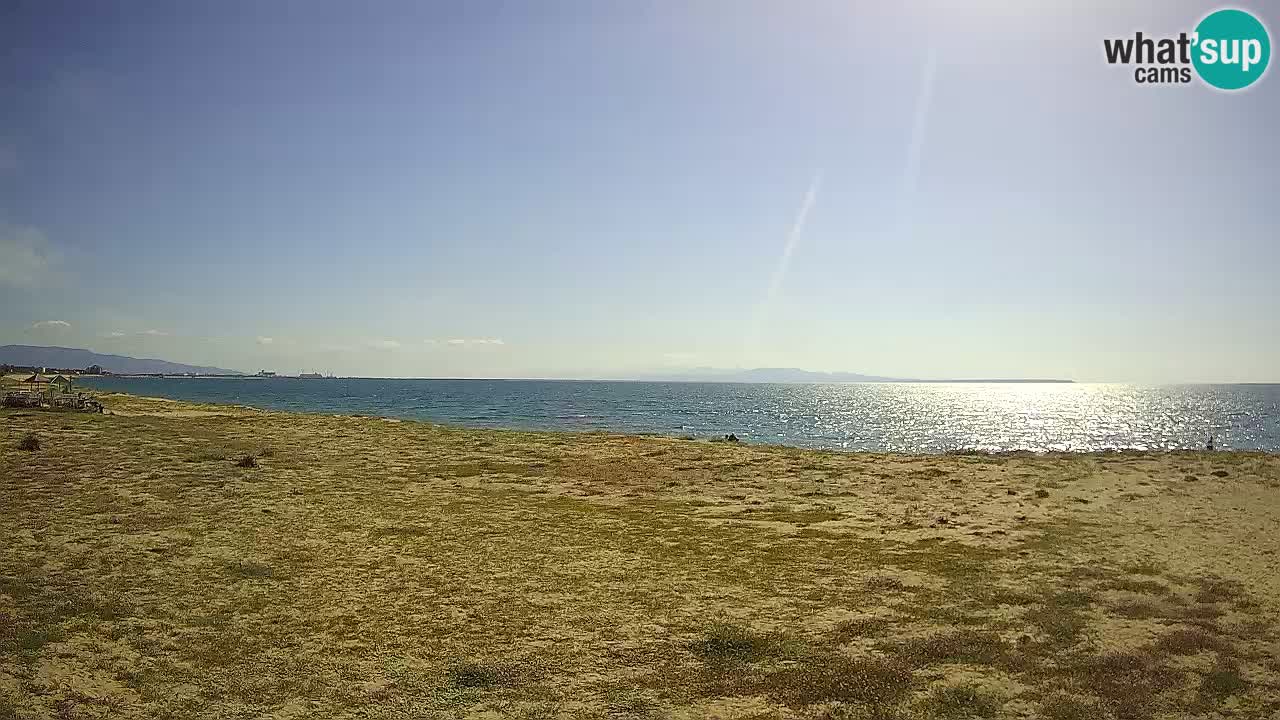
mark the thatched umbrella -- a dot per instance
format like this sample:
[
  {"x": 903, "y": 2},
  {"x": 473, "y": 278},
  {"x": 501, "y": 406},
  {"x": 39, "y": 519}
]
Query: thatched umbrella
[
  {"x": 36, "y": 381},
  {"x": 37, "y": 384}
]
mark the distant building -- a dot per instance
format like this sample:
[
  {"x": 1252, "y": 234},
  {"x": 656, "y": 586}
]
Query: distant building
[
  {"x": 266, "y": 373},
  {"x": 311, "y": 376}
]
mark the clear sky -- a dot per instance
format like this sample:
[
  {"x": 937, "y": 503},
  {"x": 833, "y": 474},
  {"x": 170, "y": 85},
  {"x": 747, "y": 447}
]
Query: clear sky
[{"x": 590, "y": 189}]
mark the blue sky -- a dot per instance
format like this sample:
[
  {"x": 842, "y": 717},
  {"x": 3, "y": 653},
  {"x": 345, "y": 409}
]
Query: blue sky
[{"x": 586, "y": 189}]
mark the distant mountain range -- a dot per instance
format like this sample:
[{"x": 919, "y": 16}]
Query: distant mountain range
[
  {"x": 76, "y": 358},
  {"x": 796, "y": 375}
]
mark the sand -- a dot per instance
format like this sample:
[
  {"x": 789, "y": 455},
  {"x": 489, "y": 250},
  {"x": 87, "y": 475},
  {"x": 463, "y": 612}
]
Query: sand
[{"x": 362, "y": 568}]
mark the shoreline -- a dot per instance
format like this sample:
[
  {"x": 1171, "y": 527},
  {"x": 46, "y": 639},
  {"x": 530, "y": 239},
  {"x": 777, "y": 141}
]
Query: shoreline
[
  {"x": 212, "y": 409},
  {"x": 655, "y": 381},
  {"x": 773, "y": 420},
  {"x": 360, "y": 565}
]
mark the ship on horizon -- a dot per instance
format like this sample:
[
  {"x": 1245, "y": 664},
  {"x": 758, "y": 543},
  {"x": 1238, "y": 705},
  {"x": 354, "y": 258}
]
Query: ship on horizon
[{"x": 315, "y": 376}]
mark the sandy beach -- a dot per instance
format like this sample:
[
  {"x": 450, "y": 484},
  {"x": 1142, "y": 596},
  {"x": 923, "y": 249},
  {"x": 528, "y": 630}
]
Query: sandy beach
[{"x": 172, "y": 560}]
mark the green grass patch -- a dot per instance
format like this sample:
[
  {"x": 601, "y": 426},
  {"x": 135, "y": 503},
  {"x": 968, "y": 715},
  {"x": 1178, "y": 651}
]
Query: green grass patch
[
  {"x": 483, "y": 675},
  {"x": 1222, "y": 682},
  {"x": 727, "y": 643}
]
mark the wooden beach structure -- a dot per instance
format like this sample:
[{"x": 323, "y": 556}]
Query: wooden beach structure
[{"x": 40, "y": 390}]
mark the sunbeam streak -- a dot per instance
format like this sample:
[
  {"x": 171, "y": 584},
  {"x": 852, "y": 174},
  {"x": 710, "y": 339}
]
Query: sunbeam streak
[
  {"x": 911, "y": 171},
  {"x": 780, "y": 272}
]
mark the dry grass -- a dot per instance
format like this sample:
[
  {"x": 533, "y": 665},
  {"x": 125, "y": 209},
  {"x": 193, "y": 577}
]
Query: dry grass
[
  {"x": 974, "y": 647},
  {"x": 374, "y": 569},
  {"x": 847, "y": 631},
  {"x": 1191, "y": 640},
  {"x": 1216, "y": 590},
  {"x": 961, "y": 701},
  {"x": 838, "y": 678}
]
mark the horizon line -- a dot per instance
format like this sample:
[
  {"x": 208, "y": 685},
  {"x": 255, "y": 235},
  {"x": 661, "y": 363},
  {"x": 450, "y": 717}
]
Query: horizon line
[{"x": 689, "y": 381}]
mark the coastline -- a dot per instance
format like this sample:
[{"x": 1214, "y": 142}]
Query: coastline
[
  {"x": 373, "y": 565},
  {"x": 927, "y": 418}
]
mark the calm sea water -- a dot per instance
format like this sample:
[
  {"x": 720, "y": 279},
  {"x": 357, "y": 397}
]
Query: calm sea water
[{"x": 905, "y": 417}]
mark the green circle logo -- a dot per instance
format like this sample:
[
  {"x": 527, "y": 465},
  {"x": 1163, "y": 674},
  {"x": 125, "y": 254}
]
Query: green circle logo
[{"x": 1232, "y": 49}]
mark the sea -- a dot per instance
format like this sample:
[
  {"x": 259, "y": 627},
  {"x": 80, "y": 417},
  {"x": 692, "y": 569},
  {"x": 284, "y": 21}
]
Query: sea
[{"x": 886, "y": 417}]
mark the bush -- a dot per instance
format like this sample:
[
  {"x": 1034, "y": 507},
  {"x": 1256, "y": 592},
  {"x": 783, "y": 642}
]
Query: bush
[
  {"x": 1224, "y": 680},
  {"x": 483, "y": 675},
  {"x": 29, "y": 442},
  {"x": 725, "y": 643},
  {"x": 248, "y": 461}
]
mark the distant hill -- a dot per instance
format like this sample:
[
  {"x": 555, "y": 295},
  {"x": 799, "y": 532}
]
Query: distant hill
[
  {"x": 76, "y": 358},
  {"x": 796, "y": 375}
]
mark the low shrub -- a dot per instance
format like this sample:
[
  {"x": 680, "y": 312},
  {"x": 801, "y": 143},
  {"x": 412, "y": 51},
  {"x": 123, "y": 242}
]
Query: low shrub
[
  {"x": 474, "y": 674},
  {"x": 725, "y": 643}
]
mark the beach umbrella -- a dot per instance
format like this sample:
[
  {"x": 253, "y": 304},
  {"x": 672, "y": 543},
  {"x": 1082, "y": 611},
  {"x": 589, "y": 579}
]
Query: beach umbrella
[{"x": 36, "y": 380}]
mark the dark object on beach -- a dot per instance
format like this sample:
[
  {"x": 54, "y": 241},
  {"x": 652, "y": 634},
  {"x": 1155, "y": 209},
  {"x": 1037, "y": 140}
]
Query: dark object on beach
[
  {"x": 29, "y": 442},
  {"x": 1209, "y": 445},
  {"x": 731, "y": 438},
  {"x": 248, "y": 461}
]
